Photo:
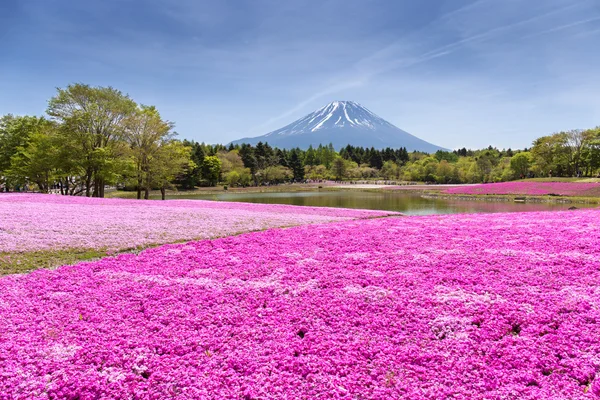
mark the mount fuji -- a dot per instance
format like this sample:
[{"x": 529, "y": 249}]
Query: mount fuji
[{"x": 342, "y": 123}]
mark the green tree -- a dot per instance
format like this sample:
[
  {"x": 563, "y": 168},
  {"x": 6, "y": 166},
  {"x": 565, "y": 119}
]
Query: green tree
[
  {"x": 310, "y": 157},
  {"x": 15, "y": 133},
  {"x": 446, "y": 172},
  {"x": 146, "y": 133},
  {"x": 315, "y": 172},
  {"x": 339, "y": 168},
  {"x": 390, "y": 170},
  {"x": 296, "y": 165},
  {"x": 94, "y": 119},
  {"x": 171, "y": 160},
  {"x": 275, "y": 174},
  {"x": 520, "y": 164},
  {"x": 211, "y": 170},
  {"x": 375, "y": 159},
  {"x": 37, "y": 161},
  {"x": 249, "y": 159},
  {"x": 451, "y": 157},
  {"x": 230, "y": 161},
  {"x": 549, "y": 155}
]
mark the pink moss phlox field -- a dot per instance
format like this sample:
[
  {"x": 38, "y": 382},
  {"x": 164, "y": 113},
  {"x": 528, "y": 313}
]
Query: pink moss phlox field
[
  {"x": 33, "y": 222},
  {"x": 502, "y": 306},
  {"x": 422, "y": 187},
  {"x": 531, "y": 188}
]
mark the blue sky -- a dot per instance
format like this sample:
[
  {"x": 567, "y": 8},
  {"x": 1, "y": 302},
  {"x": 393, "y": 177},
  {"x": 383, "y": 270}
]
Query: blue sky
[{"x": 453, "y": 72}]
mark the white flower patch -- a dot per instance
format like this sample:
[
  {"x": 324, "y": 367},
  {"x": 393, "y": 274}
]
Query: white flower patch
[
  {"x": 372, "y": 293},
  {"x": 200, "y": 272},
  {"x": 292, "y": 255},
  {"x": 200, "y": 281},
  {"x": 445, "y": 295},
  {"x": 578, "y": 255},
  {"x": 421, "y": 257},
  {"x": 307, "y": 261},
  {"x": 446, "y": 251},
  {"x": 61, "y": 352},
  {"x": 60, "y": 295},
  {"x": 357, "y": 255},
  {"x": 112, "y": 374},
  {"x": 235, "y": 260},
  {"x": 373, "y": 272},
  {"x": 310, "y": 284},
  {"x": 528, "y": 308}
]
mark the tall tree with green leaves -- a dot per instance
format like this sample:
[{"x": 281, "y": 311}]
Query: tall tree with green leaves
[
  {"x": 38, "y": 160},
  {"x": 15, "y": 134},
  {"x": 520, "y": 164},
  {"x": 146, "y": 133},
  {"x": 172, "y": 159},
  {"x": 310, "y": 158},
  {"x": 211, "y": 170},
  {"x": 296, "y": 165},
  {"x": 339, "y": 167},
  {"x": 93, "y": 117}
]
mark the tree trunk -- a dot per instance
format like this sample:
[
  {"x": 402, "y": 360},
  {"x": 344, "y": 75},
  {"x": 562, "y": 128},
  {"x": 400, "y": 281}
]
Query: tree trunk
[
  {"x": 95, "y": 184},
  {"x": 88, "y": 185},
  {"x": 163, "y": 193},
  {"x": 95, "y": 191},
  {"x": 146, "y": 193},
  {"x": 42, "y": 186},
  {"x": 139, "y": 187}
]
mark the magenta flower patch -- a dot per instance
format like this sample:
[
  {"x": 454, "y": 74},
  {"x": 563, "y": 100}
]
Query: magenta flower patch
[
  {"x": 466, "y": 306},
  {"x": 531, "y": 188}
]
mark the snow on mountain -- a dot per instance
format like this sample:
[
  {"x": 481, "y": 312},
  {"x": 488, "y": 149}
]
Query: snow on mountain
[{"x": 342, "y": 123}]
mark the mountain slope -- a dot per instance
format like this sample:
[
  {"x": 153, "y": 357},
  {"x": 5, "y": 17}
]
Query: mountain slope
[{"x": 342, "y": 123}]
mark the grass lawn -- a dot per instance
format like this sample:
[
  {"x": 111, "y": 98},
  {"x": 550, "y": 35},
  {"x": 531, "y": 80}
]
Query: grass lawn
[
  {"x": 18, "y": 263},
  {"x": 583, "y": 180}
]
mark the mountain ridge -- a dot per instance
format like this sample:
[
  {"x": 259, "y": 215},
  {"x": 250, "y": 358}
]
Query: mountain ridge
[{"x": 342, "y": 123}]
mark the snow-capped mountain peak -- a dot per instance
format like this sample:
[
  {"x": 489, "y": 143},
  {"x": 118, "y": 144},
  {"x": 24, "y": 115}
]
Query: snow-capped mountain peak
[
  {"x": 337, "y": 114},
  {"x": 342, "y": 123}
]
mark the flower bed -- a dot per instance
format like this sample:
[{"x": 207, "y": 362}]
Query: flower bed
[
  {"x": 34, "y": 222},
  {"x": 463, "y": 306},
  {"x": 531, "y": 189}
]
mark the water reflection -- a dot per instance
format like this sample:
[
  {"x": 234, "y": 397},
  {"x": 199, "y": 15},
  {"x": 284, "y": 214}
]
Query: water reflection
[{"x": 408, "y": 203}]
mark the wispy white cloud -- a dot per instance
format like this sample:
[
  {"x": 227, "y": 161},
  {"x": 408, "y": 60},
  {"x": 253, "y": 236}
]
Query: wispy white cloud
[
  {"x": 564, "y": 27},
  {"x": 401, "y": 54},
  {"x": 442, "y": 68},
  {"x": 588, "y": 33}
]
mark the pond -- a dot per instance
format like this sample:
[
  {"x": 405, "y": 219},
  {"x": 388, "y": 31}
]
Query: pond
[{"x": 407, "y": 203}]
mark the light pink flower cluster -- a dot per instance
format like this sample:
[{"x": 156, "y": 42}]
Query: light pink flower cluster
[
  {"x": 531, "y": 189},
  {"x": 503, "y": 306},
  {"x": 30, "y": 222}
]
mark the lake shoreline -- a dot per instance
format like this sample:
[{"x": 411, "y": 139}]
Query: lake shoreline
[
  {"x": 432, "y": 192},
  {"x": 296, "y": 187},
  {"x": 514, "y": 198}
]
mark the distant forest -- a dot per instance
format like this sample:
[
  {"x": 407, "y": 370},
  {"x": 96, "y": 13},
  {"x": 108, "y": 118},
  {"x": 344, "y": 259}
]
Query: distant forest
[
  {"x": 94, "y": 137},
  {"x": 564, "y": 154}
]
